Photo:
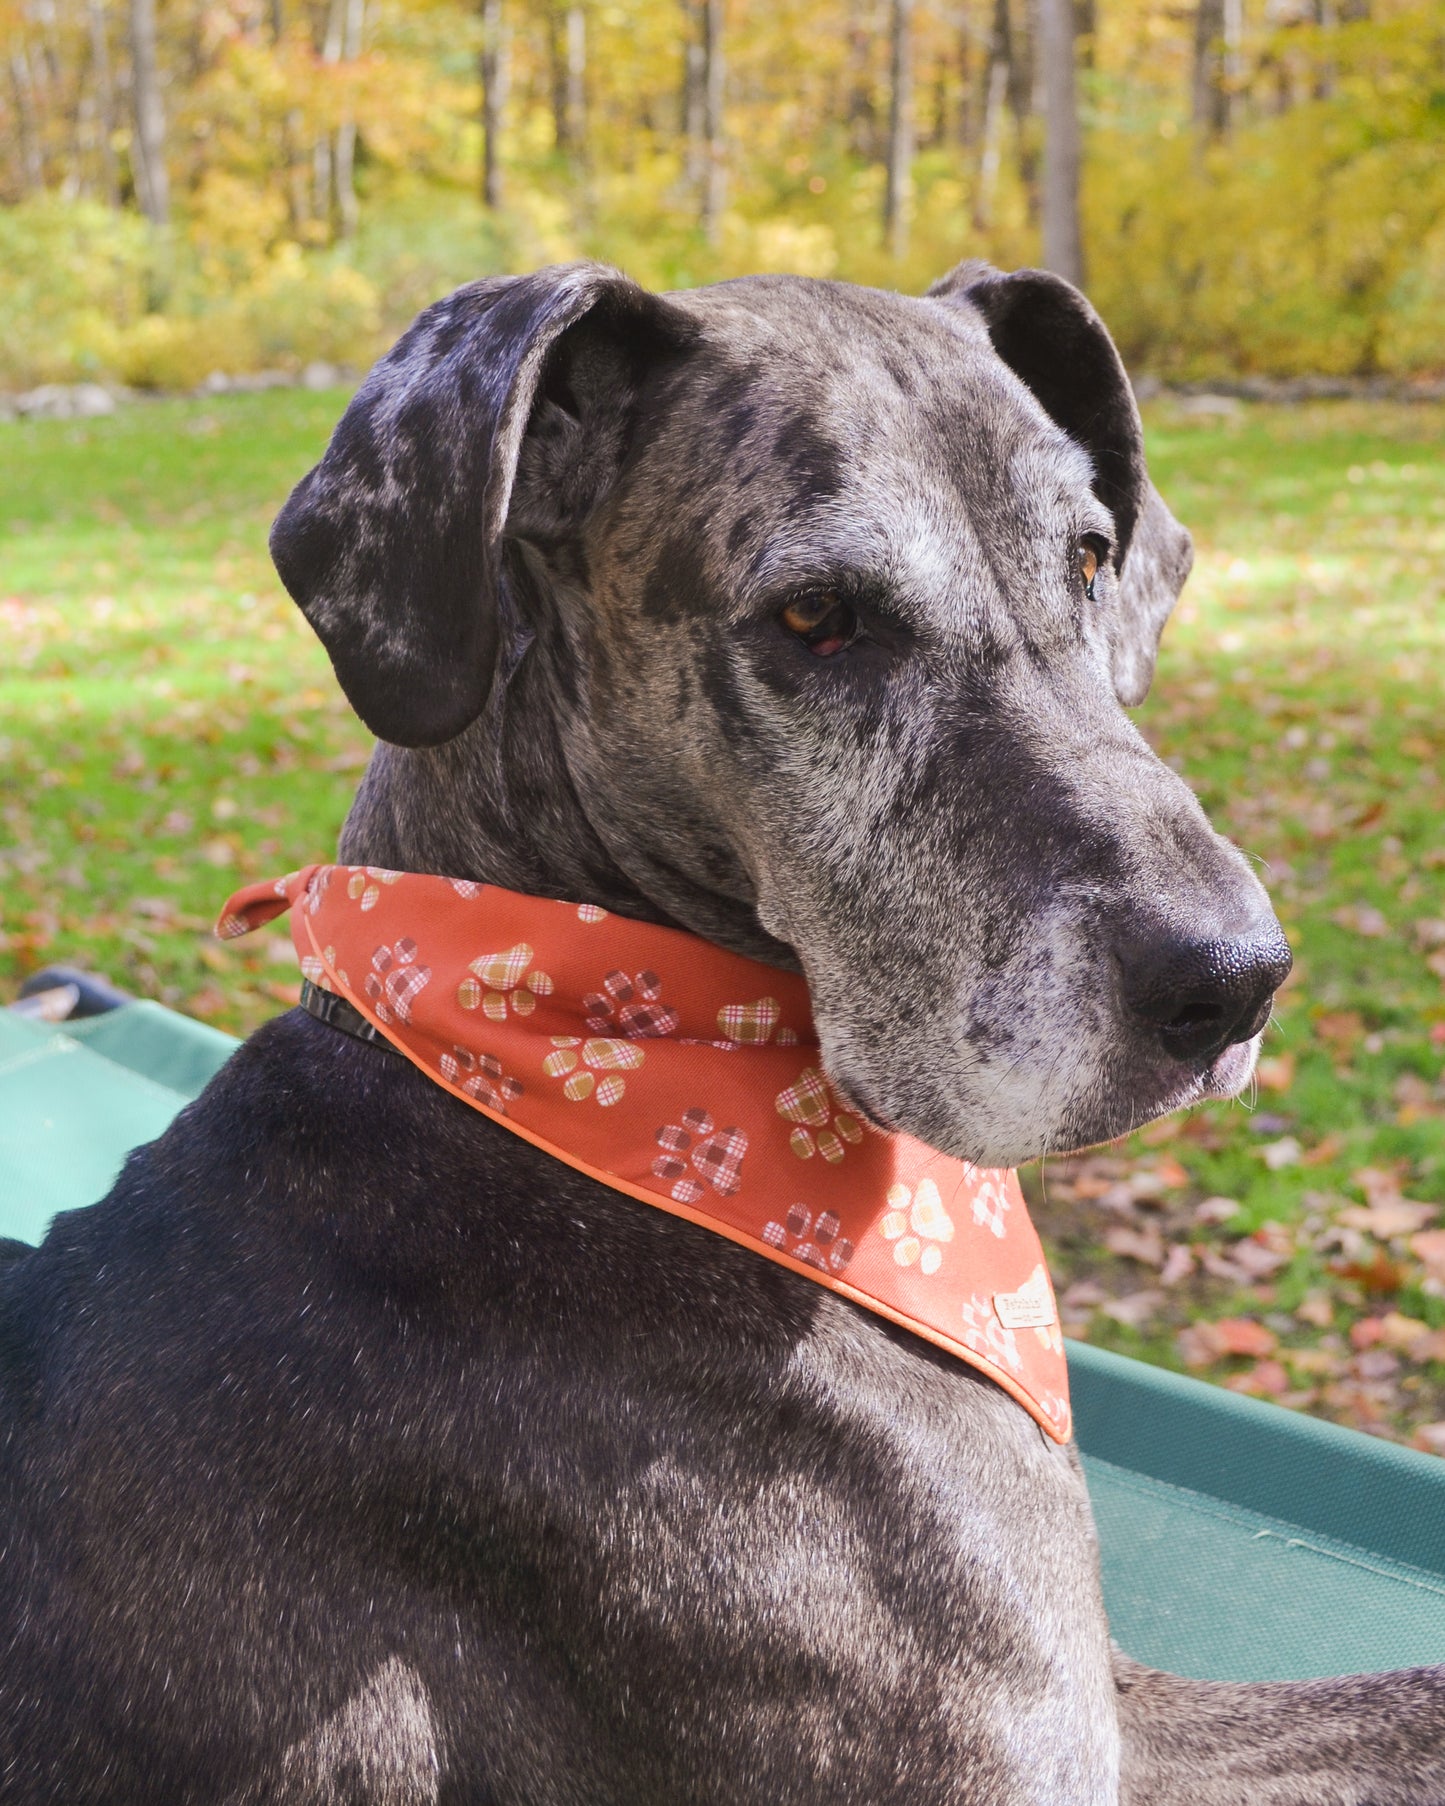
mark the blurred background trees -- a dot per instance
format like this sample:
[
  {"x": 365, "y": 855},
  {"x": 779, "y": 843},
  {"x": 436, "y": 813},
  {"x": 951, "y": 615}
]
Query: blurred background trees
[{"x": 198, "y": 185}]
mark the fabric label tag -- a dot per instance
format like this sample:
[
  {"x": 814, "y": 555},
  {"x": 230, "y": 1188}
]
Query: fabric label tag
[{"x": 1031, "y": 1307}]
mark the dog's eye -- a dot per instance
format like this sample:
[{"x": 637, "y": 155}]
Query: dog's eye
[
  {"x": 1091, "y": 553},
  {"x": 823, "y": 621}
]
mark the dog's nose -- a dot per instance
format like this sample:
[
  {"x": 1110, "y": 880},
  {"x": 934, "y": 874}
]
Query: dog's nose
[{"x": 1200, "y": 996}]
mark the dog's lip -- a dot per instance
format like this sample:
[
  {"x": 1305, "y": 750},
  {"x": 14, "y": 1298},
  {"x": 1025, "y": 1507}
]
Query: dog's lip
[{"x": 1228, "y": 1073}]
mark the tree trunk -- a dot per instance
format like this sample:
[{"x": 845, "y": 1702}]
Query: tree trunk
[
  {"x": 991, "y": 151},
  {"x": 714, "y": 187},
  {"x": 898, "y": 189},
  {"x": 1062, "y": 247},
  {"x": 577, "y": 79},
  {"x": 1210, "y": 106},
  {"x": 148, "y": 140},
  {"x": 104, "y": 104},
  {"x": 493, "y": 63},
  {"x": 1218, "y": 31},
  {"x": 344, "y": 155},
  {"x": 692, "y": 87},
  {"x": 1023, "y": 102},
  {"x": 567, "y": 48},
  {"x": 32, "y": 165}
]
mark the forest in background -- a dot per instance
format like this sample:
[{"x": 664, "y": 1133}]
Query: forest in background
[{"x": 193, "y": 186}]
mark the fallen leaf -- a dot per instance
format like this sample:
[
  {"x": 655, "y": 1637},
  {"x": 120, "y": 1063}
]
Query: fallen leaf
[
  {"x": 1340, "y": 1029},
  {"x": 1402, "y": 1332},
  {"x": 1276, "y": 1073},
  {"x": 1083, "y": 1295},
  {"x": 1316, "y": 1308},
  {"x": 1178, "y": 1264},
  {"x": 1243, "y": 1336},
  {"x": 1363, "y": 919},
  {"x": 1399, "y": 1216},
  {"x": 1378, "y": 1275},
  {"x": 1267, "y": 1380},
  {"x": 1429, "y": 1248},
  {"x": 1222, "y": 1267},
  {"x": 1429, "y": 1437},
  {"x": 1143, "y": 1245},
  {"x": 1255, "y": 1260},
  {"x": 1203, "y": 1342},
  {"x": 1217, "y": 1210},
  {"x": 1324, "y": 1150},
  {"x": 1134, "y": 1308},
  {"x": 1278, "y": 1154}
]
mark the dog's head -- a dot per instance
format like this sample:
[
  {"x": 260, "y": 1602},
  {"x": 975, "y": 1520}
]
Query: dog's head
[{"x": 831, "y": 602}]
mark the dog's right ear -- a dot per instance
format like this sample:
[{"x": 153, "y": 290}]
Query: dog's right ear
[{"x": 392, "y": 544}]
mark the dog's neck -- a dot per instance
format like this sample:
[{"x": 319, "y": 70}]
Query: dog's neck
[{"x": 498, "y": 804}]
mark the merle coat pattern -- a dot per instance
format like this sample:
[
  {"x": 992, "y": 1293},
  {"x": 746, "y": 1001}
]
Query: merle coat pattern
[{"x": 356, "y": 1452}]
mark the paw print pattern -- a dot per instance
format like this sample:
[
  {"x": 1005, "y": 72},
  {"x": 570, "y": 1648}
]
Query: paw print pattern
[
  {"x": 917, "y": 1225},
  {"x": 578, "y": 1061},
  {"x": 822, "y": 1127},
  {"x": 364, "y": 885},
  {"x": 313, "y": 966},
  {"x": 814, "y": 1240},
  {"x": 717, "y": 1154},
  {"x": 503, "y": 983},
  {"x": 395, "y": 979},
  {"x": 990, "y": 1201},
  {"x": 480, "y": 1076},
  {"x": 752, "y": 1024},
  {"x": 983, "y": 1333},
  {"x": 629, "y": 1007}
]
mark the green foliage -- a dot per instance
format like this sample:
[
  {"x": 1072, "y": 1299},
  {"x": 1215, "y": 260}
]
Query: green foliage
[{"x": 1308, "y": 238}]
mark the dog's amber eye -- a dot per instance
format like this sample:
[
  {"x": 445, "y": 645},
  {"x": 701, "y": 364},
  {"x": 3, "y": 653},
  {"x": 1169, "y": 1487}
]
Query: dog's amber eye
[
  {"x": 1088, "y": 566},
  {"x": 823, "y": 621}
]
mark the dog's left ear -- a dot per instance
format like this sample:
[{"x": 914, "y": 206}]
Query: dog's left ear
[
  {"x": 392, "y": 545},
  {"x": 1054, "y": 342}
]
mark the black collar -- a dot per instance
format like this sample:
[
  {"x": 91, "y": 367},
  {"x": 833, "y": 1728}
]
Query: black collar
[{"x": 327, "y": 1007}]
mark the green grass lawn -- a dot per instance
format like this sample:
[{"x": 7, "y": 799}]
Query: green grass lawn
[{"x": 169, "y": 728}]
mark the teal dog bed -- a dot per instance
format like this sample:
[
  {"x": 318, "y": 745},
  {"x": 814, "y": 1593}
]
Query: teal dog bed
[{"x": 1240, "y": 1541}]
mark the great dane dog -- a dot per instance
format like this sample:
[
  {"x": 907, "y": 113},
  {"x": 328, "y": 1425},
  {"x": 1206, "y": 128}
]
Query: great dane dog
[{"x": 801, "y": 616}]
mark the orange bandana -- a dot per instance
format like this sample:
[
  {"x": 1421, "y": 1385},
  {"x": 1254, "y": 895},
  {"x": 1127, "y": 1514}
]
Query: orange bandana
[{"x": 687, "y": 1078}]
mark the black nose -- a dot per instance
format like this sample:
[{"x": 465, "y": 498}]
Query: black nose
[{"x": 1199, "y": 997}]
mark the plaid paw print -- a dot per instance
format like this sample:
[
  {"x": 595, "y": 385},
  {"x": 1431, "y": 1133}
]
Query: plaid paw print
[
  {"x": 715, "y": 1153},
  {"x": 917, "y": 1225},
  {"x": 630, "y": 1007},
  {"x": 752, "y": 1024},
  {"x": 822, "y": 1127},
  {"x": 395, "y": 979},
  {"x": 983, "y": 1333},
  {"x": 365, "y": 882},
  {"x": 578, "y": 1061},
  {"x": 814, "y": 1240},
  {"x": 990, "y": 1201},
  {"x": 504, "y": 982},
  {"x": 481, "y": 1077}
]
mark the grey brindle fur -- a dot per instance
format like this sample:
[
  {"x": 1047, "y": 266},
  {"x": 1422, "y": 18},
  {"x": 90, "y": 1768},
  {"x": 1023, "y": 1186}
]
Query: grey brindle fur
[{"x": 358, "y": 1452}]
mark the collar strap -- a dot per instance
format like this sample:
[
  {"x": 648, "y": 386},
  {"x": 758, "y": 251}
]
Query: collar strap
[{"x": 336, "y": 1012}]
